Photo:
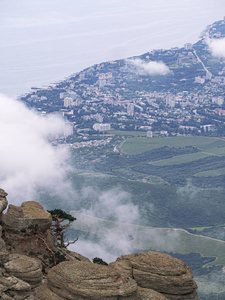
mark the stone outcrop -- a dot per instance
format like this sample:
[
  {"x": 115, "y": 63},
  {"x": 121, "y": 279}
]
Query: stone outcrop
[
  {"x": 3, "y": 205},
  {"x": 160, "y": 272},
  {"x": 25, "y": 268},
  {"x": 3, "y": 200},
  {"x": 73, "y": 256},
  {"x": 3, "y": 251},
  {"x": 13, "y": 286},
  {"x": 30, "y": 213},
  {"x": 147, "y": 294},
  {"x": 85, "y": 280},
  {"x": 28, "y": 266}
]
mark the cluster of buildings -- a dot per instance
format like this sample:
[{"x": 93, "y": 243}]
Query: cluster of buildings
[{"x": 190, "y": 100}]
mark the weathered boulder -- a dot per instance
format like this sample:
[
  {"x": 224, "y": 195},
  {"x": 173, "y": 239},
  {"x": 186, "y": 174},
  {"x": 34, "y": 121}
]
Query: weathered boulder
[
  {"x": 3, "y": 200},
  {"x": 25, "y": 268},
  {"x": 15, "y": 287},
  {"x": 84, "y": 280},
  {"x": 30, "y": 213},
  {"x": 3, "y": 251},
  {"x": 191, "y": 296},
  {"x": 160, "y": 272},
  {"x": 73, "y": 256},
  {"x": 44, "y": 293},
  {"x": 147, "y": 294}
]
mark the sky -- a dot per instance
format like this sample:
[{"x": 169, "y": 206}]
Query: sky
[{"x": 45, "y": 41}]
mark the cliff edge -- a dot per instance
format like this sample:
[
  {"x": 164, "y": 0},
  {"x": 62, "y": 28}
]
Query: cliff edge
[{"x": 33, "y": 266}]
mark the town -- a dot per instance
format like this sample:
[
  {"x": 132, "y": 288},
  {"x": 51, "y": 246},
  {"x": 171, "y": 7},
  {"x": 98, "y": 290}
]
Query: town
[{"x": 172, "y": 92}]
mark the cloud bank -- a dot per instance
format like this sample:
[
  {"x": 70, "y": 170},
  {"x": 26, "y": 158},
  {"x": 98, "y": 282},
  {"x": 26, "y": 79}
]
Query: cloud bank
[
  {"x": 217, "y": 47},
  {"x": 149, "y": 68},
  {"x": 28, "y": 161},
  {"x": 114, "y": 204},
  {"x": 114, "y": 237}
]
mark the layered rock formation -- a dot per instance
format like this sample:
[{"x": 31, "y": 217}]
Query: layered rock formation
[
  {"x": 25, "y": 268},
  {"x": 160, "y": 272},
  {"x": 30, "y": 213},
  {"x": 29, "y": 269},
  {"x": 84, "y": 280}
]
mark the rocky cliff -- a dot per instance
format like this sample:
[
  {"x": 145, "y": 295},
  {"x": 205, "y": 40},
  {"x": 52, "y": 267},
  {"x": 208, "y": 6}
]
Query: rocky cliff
[{"x": 30, "y": 267}]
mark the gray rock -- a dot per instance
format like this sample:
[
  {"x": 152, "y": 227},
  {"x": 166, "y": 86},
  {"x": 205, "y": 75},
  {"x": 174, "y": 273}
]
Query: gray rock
[
  {"x": 3, "y": 200},
  {"x": 160, "y": 272},
  {"x": 25, "y": 268},
  {"x": 147, "y": 294},
  {"x": 84, "y": 280},
  {"x": 30, "y": 213}
]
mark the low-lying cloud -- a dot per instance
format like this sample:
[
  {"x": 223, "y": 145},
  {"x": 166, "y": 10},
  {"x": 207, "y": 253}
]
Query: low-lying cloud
[
  {"x": 189, "y": 191},
  {"x": 149, "y": 68},
  {"x": 217, "y": 47},
  {"x": 114, "y": 204},
  {"x": 28, "y": 161},
  {"x": 110, "y": 216}
]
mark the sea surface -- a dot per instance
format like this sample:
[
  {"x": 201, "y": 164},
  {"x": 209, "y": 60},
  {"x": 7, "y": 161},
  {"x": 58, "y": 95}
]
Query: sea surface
[{"x": 42, "y": 42}]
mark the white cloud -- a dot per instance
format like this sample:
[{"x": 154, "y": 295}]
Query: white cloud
[
  {"x": 217, "y": 47},
  {"x": 188, "y": 192},
  {"x": 114, "y": 204},
  {"x": 111, "y": 204},
  {"x": 28, "y": 161},
  {"x": 149, "y": 68}
]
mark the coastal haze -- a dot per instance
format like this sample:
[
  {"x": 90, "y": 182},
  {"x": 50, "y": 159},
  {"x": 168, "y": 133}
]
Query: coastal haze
[{"x": 45, "y": 41}]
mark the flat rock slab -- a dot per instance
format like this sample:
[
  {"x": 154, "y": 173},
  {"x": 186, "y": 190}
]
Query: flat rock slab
[
  {"x": 30, "y": 213},
  {"x": 84, "y": 280}
]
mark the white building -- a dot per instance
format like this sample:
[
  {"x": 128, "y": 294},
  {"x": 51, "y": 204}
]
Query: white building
[
  {"x": 218, "y": 100},
  {"x": 102, "y": 83},
  {"x": 149, "y": 134},
  {"x": 68, "y": 102},
  {"x": 68, "y": 129},
  {"x": 77, "y": 102},
  {"x": 101, "y": 126},
  {"x": 82, "y": 76},
  {"x": 208, "y": 127},
  {"x": 170, "y": 100},
  {"x": 188, "y": 46},
  {"x": 199, "y": 80},
  {"x": 130, "y": 109}
]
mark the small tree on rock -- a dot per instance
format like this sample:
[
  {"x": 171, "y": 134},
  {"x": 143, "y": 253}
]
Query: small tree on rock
[
  {"x": 60, "y": 222},
  {"x": 99, "y": 261}
]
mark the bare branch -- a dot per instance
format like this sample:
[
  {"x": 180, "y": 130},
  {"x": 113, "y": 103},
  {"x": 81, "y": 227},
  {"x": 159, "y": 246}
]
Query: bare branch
[{"x": 69, "y": 243}]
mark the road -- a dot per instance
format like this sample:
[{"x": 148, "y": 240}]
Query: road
[{"x": 201, "y": 62}]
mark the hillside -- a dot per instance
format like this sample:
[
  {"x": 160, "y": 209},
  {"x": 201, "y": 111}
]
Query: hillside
[{"x": 146, "y": 136}]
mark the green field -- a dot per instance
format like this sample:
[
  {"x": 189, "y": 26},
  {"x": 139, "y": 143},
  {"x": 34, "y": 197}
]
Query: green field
[
  {"x": 211, "y": 173},
  {"x": 140, "y": 145},
  {"x": 171, "y": 160},
  {"x": 179, "y": 159}
]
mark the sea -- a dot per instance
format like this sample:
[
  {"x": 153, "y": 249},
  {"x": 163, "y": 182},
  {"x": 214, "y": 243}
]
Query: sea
[{"x": 43, "y": 42}]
